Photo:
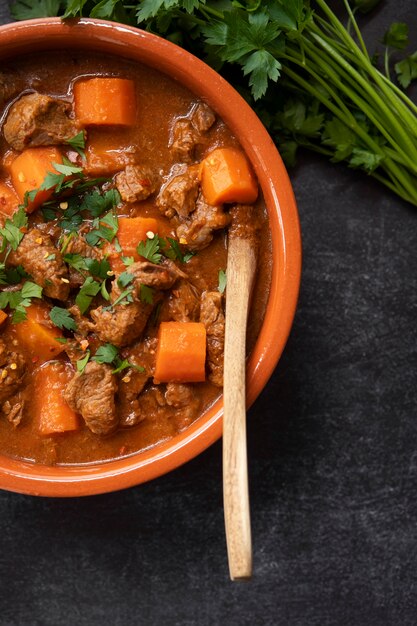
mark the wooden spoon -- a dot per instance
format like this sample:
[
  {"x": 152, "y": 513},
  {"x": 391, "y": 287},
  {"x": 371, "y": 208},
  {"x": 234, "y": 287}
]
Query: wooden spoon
[{"x": 241, "y": 263}]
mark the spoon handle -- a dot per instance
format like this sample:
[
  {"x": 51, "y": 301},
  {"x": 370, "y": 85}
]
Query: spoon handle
[{"x": 241, "y": 265}]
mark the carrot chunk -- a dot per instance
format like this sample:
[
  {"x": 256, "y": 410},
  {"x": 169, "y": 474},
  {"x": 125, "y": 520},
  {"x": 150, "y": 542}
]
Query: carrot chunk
[
  {"x": 28, "y": 171},
  {"x": 8, "y": 200},
  {"x": 105, "y": 101},
  {"x": 38, "y": 334},
  {"x": 131, "y": 231},
  {"x": 3, "y": 317},
  {"x": 50, "y": 411},
  {"x": 226, "y": 176},
  {"x": 181, "y": 352}
]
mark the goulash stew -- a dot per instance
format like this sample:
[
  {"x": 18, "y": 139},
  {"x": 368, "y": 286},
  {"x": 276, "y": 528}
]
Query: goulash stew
[{"x": 118, "y": 191}]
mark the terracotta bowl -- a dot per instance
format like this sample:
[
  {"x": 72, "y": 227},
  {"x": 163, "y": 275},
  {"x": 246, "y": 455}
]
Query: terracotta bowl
[{"x": 131, "y": 43}]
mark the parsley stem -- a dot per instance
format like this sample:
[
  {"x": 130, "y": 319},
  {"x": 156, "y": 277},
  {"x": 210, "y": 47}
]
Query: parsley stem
[
  {"x": 353, "y": 22},
  {"x": 373, "y": 95},
  {"x": 347, "y": 86},
  {"x": 396, "y": 174},
  {"x": 210, "y": 11}
]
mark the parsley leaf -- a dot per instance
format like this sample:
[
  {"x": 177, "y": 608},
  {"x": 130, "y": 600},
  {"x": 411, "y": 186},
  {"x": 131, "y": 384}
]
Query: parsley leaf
[
  {"x": 397, "y": 36},
  {"x": 146, "y": 294},
  {"x": 222, "y": 281},
  {"x": 406, "y": 70},
  {"x": 96, "y": 203},
  {"x": 11, "y": 231},
  {"x": 106, "y": 353},
  {"x": 86, "y": 294},
  {"x": 78, "y": 143},
  {"x": 97, "y": 268},
  {"x": 150, "y": 249},
  {"x": 31, "y": 290},
  {"x": 62, "y": 318},
  {"x": 76, "y": 261},
  {"x": 81, "y": 363},
  {"x": 125, "y": 279},
  {"x": 109, "y": 354},
  {"x": 18, "y": 301},
  {"x": 106, "y": 229},
  {"x": 124, "y": 298},
  {"x": 67, "y": 168},
  {"x": 30, "y": 9}
]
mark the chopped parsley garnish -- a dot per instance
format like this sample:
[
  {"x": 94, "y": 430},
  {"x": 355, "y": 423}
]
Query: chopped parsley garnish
[
  {"x": 150, "y": 249},
  {"x": 109, "y": 354},
  {"x": 11, "y": 232},
  {"x": 146, "y": 294},
  {"x": 61, "y": 339},
  {"x": 81, "y": 363},
  {"x": 222, "y": 281},
  {"x": 128, "y": 260},
  {"x": 18, "y": 301},
  {"x": 62, "y": 318},
  {"x": 174, "y": 252},
  {"x": 125, "y": 279},
  {"x": 98, "y": 268},
  {"x": 96, "y": 203},
  {"x": 106, "y": 353},
  {"x": 76, "y": 261},
  {"x": 85, "y": 264},
  {"x": 78, "y": 143},
  {"x": 124, "y": 298},
  {"x": 153, "y": 249},
  {"x": 12, "y": 275},
  {"x": 86, "y": 294},
  {"x": 105, "y": 229}
]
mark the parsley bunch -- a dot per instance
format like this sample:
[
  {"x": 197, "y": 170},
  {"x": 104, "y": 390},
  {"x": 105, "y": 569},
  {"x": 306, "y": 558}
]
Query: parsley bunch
[{"x": 311, "y": 79}]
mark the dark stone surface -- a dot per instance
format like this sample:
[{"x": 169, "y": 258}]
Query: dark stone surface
[{"x": 332, "y": 448}]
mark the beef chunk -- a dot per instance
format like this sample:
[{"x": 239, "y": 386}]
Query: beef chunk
[
  {"x": 187, "y": 132},
  {"x": 84, "y": 326},
  {"x": 183, "y": 398},
  {"x": 157, "y": 276},
  {"x": 78, "y": 245},
  {"x": 184, "y": 138},
  {"x": 202, "y": 117},
  {"x": 182, "y": 304},
  {"x": 136, "y": 183},
  {"x": 197, "y": 231},
  {"x": 150, "y": 406},
  {"x": 212, "y": 316},
  {"x": 12, "y": 372},
  {"x": 91, "y": 393},
  {"x": 125, "y": 322},
  {"x": 52, "y": 273},
  {"x": 38, "y": 120},
  {"x": 122, "y": 324},
  {"x": 133, "y": 381},
  {"x": 178, "y": 195}
]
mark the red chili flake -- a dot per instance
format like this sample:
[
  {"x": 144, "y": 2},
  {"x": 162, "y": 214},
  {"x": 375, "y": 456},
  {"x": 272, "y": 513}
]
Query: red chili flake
[
  {"x": 145, "y": 182},
  {"x": 122, "y": 450},
  {"x": 35, "y": 359}
]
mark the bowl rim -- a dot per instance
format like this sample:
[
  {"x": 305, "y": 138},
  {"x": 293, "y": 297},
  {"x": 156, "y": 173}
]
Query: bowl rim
[{"x": 143, "y": 47}]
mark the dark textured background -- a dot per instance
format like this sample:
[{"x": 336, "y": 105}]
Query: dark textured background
[{"x": 332, "y": 449}]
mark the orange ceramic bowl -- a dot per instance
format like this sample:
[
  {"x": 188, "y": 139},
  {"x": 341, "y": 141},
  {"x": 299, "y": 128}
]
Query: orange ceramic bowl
[{"x": 131, "y": 43}]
